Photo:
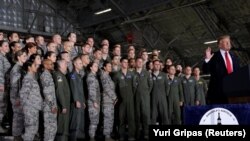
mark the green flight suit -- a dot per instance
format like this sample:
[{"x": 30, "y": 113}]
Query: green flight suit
[
  {"x": 143, "y": 83},
  {"x": 202, "y": 88},
  {"x": 124, "y": 88},
  {"x": 63, "y": 101},
  {"x": 77, "y": 114},
  {"x": 159, "y": 105},
  {"x": 190, "y": 91},
  {"x": 175, "y": 96}
]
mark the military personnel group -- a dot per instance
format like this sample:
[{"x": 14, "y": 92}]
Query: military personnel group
[{"x": 79, "y": 89}]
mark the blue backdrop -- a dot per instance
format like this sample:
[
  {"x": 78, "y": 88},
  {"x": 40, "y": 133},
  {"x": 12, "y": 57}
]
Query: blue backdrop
[{"x": 193, "y": 114}]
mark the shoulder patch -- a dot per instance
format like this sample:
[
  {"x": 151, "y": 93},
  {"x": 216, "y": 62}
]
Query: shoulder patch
[
  {"x": 59, "y": 79},
  {"x": 129, "y": 76},
  {"x": 72, "y": 76}
]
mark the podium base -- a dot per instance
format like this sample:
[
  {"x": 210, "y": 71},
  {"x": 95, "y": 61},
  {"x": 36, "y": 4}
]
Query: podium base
[{"x": 239, "y": 100}]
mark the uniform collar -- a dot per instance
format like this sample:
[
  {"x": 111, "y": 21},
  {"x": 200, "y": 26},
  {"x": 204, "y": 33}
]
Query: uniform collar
[{"x": 156, "y": 73}]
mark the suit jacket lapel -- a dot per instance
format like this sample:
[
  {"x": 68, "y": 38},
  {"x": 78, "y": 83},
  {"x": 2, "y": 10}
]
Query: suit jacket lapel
[
  {"x": 234, "y": 61},
  {"x": 222, "y": 62}
]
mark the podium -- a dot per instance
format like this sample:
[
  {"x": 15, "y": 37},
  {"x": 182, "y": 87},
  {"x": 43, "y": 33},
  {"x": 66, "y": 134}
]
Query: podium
[{"x": 236, "y": 86}]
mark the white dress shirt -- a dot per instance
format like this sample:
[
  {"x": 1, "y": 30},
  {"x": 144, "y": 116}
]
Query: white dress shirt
[{"x": 224, "y": 57}]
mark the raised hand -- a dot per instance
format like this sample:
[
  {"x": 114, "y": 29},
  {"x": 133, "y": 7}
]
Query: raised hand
[{"x": 208, "y": 53}]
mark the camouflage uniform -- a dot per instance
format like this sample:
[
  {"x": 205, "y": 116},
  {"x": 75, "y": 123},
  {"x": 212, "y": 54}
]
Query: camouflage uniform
[
  {"x": 94, "y": 96},
  {"x": 48, "y": 90},
  {"x": 31, "y": 101},
  {"x": 40, "y": 51},
  {"x": 4, "y": 67},
  {"x": 76, "y": 50},
  {"x": 15, "y": 84},
  {"x": 109, "y": 98},
  {"x": 59, "y": 49},
  {"x": 43, "y": 49}
]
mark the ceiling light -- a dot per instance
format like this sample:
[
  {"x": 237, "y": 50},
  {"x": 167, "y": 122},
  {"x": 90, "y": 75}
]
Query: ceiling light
[
  {"x": 103, "y": 11},
  {"x": 210, "y": 42},
  {"x": 152, "y": 52}
]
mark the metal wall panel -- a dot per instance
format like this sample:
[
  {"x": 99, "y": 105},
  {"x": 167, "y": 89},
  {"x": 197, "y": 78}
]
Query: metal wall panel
[{"x": 32, "y": 16}]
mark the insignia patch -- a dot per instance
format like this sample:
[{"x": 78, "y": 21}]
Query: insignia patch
[
  {"x": 184, "y": 81},
  {"x": 122, "y": 77},
  {"x": 129, "y": 76},
  {"x": 200, "y": 82},
  {"x": 154, "y": 78},
  {"x": 190, "y": 80},
  {"x": 160, "y": 77},
  {"x": 59, "y": 79},
  {"x": 175, "y": 81},
  {"x": 73, "y": 76}
]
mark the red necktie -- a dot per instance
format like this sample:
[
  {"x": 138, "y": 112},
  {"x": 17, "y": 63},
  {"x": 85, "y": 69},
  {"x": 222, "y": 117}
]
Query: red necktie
[{"x": 229, "y": 65}]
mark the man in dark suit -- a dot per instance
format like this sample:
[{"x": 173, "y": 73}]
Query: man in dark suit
[{"x": 219, "y": 65}]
